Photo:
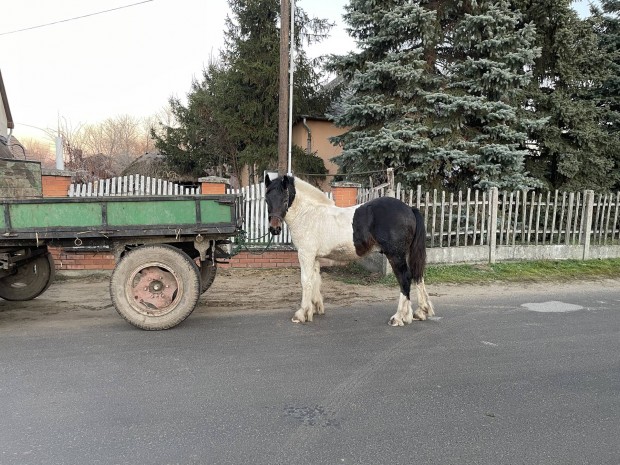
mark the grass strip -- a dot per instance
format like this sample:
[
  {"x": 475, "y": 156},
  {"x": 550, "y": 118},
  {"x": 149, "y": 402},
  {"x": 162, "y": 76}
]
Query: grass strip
[{"x": 527, "y": 271}]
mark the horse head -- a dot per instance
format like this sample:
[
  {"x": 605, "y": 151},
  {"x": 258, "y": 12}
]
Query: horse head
[{"x": 279, "y": 197}]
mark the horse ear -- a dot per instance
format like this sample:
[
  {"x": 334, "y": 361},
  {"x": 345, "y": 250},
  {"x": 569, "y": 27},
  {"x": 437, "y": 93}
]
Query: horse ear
[
  {"x": 285, "y": 181},
  {"x": 267, "y": 180}
]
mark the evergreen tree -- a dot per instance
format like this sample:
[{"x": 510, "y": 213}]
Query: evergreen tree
[
  {"x": 572, "y": 150},
  {"x": 607, "y": 25},
  {"x": 232, "y": 114},
  {"x": 435, "y": 92},
  {"x": 187, "y": 143}
]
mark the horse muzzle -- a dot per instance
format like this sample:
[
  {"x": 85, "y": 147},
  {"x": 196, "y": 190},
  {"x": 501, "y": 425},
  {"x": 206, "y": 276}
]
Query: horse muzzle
[{"x": 275, "y": 225}]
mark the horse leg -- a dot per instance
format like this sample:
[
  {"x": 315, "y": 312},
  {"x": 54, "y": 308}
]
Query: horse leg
[
  {"x": 306, "y": 264},
  {"x": 404, "y": 314},
  {"x": 425, "y": 306},
  {"x": 317, "y": 298}
]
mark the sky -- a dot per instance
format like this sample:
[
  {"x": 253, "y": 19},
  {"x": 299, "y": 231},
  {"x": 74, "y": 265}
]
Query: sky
[{"x": 128, "y": 61}]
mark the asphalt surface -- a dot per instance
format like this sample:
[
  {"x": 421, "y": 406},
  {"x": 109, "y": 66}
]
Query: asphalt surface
[{"x": 506, "y": 378}]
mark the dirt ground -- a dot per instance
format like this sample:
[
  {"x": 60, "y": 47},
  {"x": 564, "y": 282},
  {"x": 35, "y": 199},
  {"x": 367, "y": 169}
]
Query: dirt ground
[{"x": 85, "y": 297}]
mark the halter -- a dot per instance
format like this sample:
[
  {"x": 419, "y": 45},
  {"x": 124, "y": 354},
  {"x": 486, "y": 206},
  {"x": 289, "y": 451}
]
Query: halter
[{"x": 286, "y": 205}]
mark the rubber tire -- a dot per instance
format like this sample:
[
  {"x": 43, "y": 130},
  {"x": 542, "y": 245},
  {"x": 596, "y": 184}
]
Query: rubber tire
[
  {"x": 207, "y": 276},
  {"x": 172, "y": 260},
  {"x": 30, "y": 281}
]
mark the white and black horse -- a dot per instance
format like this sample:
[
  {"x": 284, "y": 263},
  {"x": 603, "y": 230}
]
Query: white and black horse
[{"x": 320, "y": 229}]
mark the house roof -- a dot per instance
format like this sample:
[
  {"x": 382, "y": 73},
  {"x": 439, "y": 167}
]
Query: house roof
[{"x": 5, "y": 102}]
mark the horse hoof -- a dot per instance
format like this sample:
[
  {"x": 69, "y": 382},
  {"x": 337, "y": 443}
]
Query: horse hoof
[
  {"x": 419, "y": 315},
  {"x": 300, "y": 317},
  {"x": 395, "y": 322},
  {"x": 430, "y": 311}
]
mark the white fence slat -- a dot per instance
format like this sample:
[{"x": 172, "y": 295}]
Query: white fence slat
[
  {"x": 503, "y": 222},
  {"x": 546, "y": 220},
  {"x": 536, "y": 230},
  {"x": 615, "y": 224},
  {"x": 467, "y": 205},
  {"x": 137, "y": 185},
  {"x": 476, "y": 217},
  {"x": 607, "y": 217}
]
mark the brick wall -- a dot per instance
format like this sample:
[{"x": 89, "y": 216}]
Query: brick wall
[
  {"x": 269, "y": 259},
  {"x": 69, "y": 260}
]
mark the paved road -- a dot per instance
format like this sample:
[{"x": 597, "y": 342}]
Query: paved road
[{"x": 519, "y": 378}]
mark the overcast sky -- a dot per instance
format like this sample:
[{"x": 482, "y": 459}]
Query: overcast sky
[{"x": 126, "y": 61}]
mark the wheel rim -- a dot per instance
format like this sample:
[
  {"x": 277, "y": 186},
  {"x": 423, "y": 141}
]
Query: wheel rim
[{"x": 154, "y": 289}]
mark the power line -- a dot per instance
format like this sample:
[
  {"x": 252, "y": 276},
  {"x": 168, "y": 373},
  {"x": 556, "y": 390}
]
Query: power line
[{"x": 73, "y": 19}]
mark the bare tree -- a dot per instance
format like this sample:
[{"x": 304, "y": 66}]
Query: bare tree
[
  {"x": 38, "y": 150},
  {"x": 72, "y": 141},
  {"x": 106, "y": 148}
]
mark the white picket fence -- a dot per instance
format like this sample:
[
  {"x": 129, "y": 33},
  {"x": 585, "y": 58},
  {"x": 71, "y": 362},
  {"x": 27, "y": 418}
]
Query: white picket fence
[
  {"x": 128, "y": 186},
  {"x": 476, "y": 225}
]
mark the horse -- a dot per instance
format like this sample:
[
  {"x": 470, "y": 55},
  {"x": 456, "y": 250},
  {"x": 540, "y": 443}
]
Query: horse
[{"x": 321, "y": 230}]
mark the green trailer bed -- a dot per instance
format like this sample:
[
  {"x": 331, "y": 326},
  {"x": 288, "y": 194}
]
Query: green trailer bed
[{"x": 83, "y": 219}]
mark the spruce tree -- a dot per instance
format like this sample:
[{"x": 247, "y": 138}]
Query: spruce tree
[
  {"x": 607, "y": 26},
  {"x": 435, "y": 90},
  {"x": 188, "y": 143},
  {"x": 572, "y": 150}
]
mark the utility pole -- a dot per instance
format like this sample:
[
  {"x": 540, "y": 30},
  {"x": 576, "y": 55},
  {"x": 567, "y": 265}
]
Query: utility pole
[{"x": 283, "y": 90}]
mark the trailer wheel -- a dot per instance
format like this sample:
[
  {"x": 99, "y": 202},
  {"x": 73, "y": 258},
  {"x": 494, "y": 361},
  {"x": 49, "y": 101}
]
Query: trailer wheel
[
  {"x": 30, "y": 281},
  {"x": 155, "y": 287},
  {"x": 207, "y": 275}
]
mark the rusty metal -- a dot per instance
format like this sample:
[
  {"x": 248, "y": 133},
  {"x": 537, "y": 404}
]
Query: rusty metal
[{"x": 154, "y": 290}]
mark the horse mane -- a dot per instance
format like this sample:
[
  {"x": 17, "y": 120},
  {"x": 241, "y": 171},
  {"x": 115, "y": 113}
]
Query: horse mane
[{"x": 312, "y": 193}]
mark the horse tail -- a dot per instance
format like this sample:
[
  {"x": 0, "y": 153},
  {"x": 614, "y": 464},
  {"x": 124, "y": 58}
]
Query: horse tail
[{"x": 417, "y": 251}]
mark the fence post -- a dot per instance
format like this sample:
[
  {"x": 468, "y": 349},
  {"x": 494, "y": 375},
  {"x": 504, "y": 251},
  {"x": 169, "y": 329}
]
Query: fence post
[
  {"x": 391, "y": 192},
  {"x": 588, "y": 209},
  {"x": 492, "y": 229}
]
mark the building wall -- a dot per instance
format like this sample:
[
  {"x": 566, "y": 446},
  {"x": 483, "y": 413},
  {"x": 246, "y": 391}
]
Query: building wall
[
  {"x": 320, "y": 133},
  {"x": 6, "y": 120},
  {"x": 320, "y": 130},
  {"x": 3, "y": 121}
]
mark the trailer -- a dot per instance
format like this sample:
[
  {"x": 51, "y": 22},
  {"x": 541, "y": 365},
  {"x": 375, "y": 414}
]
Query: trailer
[{"x": 166, "y": 248}]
